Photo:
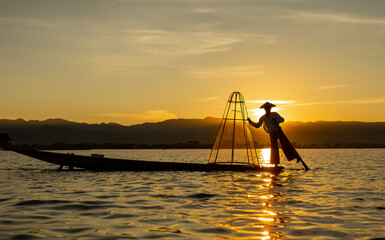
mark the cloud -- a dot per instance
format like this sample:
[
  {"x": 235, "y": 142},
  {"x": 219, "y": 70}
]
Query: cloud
[
  {"x": 337, "y": 18},
  {"x": 193, "y": 42},
  {"x": 171, "y": 37},
  {"x": 164, "y": 42},
  {"x": 373, "y": 100},
  {"x": 333, "y": 87},
  {"x": 160, "y": 41},
  {"x": 150, "y": 115},
  {"x": 272, "y": 101},
  {"x": 290, "y": 103},
  {"x": 260, "y": 112},
  {"x": 31, "y": 22},
  {"x": 234, "y": 72},
  {"x": 202, "y": 10},
  {"x": 368, "y": 100},
  {"x": 209, "y": 99}
]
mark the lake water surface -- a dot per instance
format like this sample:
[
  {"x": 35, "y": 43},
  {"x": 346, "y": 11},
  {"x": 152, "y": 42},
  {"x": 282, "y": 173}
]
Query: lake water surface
[{"x": 342, "y": 197}]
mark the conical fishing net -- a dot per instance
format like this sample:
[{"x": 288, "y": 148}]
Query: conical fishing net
[{"x": 234, "y": 143}]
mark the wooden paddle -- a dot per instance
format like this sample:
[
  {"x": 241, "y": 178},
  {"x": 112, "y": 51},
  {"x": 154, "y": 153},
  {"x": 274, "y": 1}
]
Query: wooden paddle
[{"x": 304, "y": 164}]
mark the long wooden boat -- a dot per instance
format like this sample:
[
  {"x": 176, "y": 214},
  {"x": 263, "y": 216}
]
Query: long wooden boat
[{"x": 113, "y": 164}]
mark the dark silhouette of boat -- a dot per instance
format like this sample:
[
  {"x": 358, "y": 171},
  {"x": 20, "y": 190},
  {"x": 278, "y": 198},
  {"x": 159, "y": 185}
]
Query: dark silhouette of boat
[
  {"x": 112, "y": 164},
  {"x": 226, "y": 139}
]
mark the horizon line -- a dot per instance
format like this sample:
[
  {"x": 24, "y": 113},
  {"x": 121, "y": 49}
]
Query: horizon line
[{"x": 116, "y": 123}]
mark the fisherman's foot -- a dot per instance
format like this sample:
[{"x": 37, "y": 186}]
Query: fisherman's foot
[{"x": 298, "y": 160}]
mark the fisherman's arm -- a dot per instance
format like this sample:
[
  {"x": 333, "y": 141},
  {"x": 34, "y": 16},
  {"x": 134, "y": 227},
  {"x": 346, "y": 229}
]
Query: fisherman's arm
[{"x": 257, "y": 125}]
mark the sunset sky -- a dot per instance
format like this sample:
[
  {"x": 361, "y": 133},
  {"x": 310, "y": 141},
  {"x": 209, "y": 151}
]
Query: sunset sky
[{"x": 149, "y": 60}]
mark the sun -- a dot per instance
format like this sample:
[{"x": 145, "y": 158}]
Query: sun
[{"x": 259, "y": 112}]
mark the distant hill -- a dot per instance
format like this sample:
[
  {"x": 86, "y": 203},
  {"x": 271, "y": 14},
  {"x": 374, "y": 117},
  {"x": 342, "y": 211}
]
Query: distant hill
[
  {"x": 177, "y": 131},
  {"x": 59, "y": 130},
  {"x": 324, "y": 133}
]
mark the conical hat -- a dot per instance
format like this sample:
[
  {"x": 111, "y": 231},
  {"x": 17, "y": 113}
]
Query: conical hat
[{"x": 267, "y": 105}]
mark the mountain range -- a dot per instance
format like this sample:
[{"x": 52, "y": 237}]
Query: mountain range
[{"x": 176, "y": 131}]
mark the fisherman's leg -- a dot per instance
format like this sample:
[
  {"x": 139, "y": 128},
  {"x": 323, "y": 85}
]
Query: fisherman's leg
[
  {"x": 274, "y": 153},
  {"x": 69, "y": 161},
  {"x": 287, "y": 147}
]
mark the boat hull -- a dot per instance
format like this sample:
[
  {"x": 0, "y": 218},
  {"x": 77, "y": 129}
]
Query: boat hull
[{"x": 112, "y": 164}]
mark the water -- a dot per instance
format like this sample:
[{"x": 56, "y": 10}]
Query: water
[{"x": 342, "y": 197}]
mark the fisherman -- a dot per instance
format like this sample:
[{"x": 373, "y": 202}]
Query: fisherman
[
  {"x": 68, "y": 161},
  {"x": 271, "y": 121}
]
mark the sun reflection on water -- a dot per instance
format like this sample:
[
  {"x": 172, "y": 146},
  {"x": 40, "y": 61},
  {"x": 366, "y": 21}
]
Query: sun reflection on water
[
  {"x": 268, "y": 217},
  {"x": 258, "y": 217},
  {"x": 266, "y": 235},
  {"x": 265, "y": 157}
]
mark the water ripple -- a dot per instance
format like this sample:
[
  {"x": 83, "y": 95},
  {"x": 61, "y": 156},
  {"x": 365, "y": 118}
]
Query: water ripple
[{"x": 328, "y": 202}]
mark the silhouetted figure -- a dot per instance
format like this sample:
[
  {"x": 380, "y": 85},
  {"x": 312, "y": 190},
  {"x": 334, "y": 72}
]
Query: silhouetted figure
[
  {"x": 68, "y": 161},
  {"x": 5, "y": 140},
  {"x": 270, "y": 122}
]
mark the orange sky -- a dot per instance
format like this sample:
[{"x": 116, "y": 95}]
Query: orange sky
[{"x": 137, "y": 61}]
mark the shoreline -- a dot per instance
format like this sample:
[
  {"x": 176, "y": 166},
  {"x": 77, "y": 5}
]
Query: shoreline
[{"x": 175, "y": 146}]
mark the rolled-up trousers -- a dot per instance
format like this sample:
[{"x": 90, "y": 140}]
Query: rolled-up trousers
[{"x": 287, "y": 147}]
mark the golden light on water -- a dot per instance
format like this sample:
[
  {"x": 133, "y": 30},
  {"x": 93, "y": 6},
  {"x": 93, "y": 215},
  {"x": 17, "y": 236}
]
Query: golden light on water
[
  {"x": 265, "y": 158},
  {"x": 267, "y": 196},
  {"x": 269, "y": 212},
  {"x": 269, "y": 216},
  {"x": 265, "y": 155},
  {"x": 266, "y": 235},
  {"x": 266, "y": 219},
  {"x": 262, "y": 222}
]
